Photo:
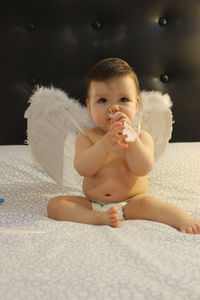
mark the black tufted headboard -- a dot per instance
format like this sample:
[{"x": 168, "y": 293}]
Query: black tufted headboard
[{"x": 56, "y": 42}]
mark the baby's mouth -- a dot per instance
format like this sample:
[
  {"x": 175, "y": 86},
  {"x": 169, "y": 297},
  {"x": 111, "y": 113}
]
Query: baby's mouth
[{"x": 110, "y": 116}]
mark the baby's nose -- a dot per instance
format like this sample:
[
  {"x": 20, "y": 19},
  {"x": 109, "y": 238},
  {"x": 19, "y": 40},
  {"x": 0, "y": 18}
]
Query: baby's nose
[{"x": 114, "y": 109}]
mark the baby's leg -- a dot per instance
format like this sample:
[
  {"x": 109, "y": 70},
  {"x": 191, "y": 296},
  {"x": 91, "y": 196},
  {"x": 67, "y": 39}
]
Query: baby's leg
[
  {"x": 150, "y": 208},
  {"x": 79, "y": 209}
]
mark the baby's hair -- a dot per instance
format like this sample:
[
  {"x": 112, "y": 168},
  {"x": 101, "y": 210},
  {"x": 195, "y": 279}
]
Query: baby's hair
[{"x": 111, "y": 67}]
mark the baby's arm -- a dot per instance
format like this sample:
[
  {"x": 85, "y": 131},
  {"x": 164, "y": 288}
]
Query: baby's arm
[
  {"x": 140, "y": 154},
  {"x": 89, "y": 158}
]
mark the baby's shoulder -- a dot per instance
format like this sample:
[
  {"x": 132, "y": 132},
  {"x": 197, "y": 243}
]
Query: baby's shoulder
[
  {"x": 144, "y": 133},
  {"x": 85, "y": 135}
]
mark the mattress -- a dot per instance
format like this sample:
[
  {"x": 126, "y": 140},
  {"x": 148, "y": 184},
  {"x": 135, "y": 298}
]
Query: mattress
[{"x": 46, "y": 259}]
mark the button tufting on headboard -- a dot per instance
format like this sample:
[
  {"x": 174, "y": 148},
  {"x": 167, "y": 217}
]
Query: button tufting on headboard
[
  {"x": 164, "y": 78},
  {"x": 30, "y": 26},
  {"x": 96, "y": 25},
  {"x": 162, "y": 21},
  {"x": 56, "y": 43}
]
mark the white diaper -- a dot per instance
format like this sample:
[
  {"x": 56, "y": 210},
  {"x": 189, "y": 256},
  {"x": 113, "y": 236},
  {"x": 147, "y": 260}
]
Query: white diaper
[
  {"x": 102, "y": 206},
  {"x": 97, "y": 205}
]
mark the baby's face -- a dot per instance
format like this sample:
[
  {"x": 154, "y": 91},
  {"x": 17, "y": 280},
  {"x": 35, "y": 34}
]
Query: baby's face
[{"x": 118, "y": 94}]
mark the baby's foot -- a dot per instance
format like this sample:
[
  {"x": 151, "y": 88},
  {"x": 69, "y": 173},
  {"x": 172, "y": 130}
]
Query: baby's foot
[
  {"x": 191, "y": 226},
  {"x": 110, "y": 217}
]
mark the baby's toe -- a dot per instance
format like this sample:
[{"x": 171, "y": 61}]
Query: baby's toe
[
  {"x": 114, "y": 219},
  {"x": 194, "y": 228},
  {"x": 116, "y": 223},
  {"x": 198, "y": 228},
  {"x": 112, "y": 210},
  {"x": 190, "y": 230}
]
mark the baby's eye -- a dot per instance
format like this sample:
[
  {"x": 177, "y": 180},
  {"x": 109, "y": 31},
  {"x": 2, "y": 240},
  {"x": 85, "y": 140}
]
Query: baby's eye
[
  {"x": 102, "y": 100},
  {"x": 124, "y": 99}
]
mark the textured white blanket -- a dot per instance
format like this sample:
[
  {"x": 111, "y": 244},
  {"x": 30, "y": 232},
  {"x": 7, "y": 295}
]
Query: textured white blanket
[{"x": 47, "y": 259}]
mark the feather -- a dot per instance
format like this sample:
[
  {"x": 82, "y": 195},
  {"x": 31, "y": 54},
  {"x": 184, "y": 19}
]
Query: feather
[
  {"x": 49, "y": 122},
  {"x": 156, "y": 118},
  {"x": 52, "y": 117},
  {"x": 74, "y": 122}
]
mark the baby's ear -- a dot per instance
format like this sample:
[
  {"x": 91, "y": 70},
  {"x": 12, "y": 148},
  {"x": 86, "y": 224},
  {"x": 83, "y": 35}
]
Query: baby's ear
[{"x": 138, "y": 102}]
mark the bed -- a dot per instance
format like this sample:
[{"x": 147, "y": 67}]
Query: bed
[
  {"x": 46, "y": 259},
  {"x": 56, "y": 43}
]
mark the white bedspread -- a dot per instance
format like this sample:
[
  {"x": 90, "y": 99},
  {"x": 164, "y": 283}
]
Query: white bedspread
[{"x": 46, "y": 259}]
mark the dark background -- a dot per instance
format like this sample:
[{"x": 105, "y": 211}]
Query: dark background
[{"x": 56, "y": 42}]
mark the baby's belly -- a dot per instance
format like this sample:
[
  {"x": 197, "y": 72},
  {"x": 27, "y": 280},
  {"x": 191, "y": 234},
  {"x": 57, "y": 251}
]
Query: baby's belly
[{"x": 114, "y": 188}]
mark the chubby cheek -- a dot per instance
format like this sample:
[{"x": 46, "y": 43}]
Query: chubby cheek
[
  {"x": 99, "y": 118},
  {"x": 131, "y": 113},
  {"x": 132, "y": 116}
]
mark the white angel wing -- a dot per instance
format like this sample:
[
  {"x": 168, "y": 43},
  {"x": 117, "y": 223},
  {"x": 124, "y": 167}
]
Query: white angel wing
[
  {"x": 156, "y": 118},
  {"x": 53, "y": 120},
  {"x": 51, "y": 117}
]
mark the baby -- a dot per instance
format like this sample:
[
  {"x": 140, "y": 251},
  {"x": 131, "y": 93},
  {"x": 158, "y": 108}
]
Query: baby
[{"x": 115, "y": 165}]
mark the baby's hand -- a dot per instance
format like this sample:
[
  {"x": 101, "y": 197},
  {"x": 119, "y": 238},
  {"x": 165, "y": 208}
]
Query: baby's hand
[
  {"x": 120, "y": 117},
  {"x": 115, "y": 139},
  {"x": 129, "y": 131}
]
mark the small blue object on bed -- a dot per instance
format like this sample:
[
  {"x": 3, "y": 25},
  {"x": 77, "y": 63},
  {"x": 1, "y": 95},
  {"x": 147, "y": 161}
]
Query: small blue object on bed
[{"x": 2, "y": 200}]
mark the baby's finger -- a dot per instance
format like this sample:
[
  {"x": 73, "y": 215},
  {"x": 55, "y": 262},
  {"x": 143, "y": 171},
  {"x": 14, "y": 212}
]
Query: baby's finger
[
  {"x": 123, "y": 145},
  {"x": 116, "y": 125},
  {"x": 117, "y": 130},
  {"x": 118, "y": 117},
  {"x": 125, "y": 136},
  {"x": 115, "y": 140},
  {"x": 119, "y": 140}
]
